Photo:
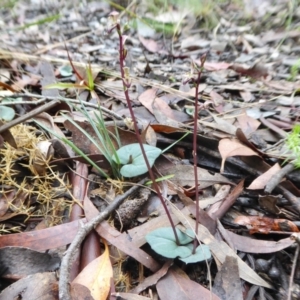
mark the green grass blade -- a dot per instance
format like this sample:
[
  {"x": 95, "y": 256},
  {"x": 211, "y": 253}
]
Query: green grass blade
[
  {"x": 104, "y": 137},
  {"x": 40, "y": 22},
  {"x": 105, "y": 151},
  {"x": 74, "y": 148},
  {"x": 163, "y": 151},
  {"x": 160, "y": 179},
  {"x": 90, "y": 78},
  {"x": 108, "y": 138},
  {"x": 92, "y": 140}
]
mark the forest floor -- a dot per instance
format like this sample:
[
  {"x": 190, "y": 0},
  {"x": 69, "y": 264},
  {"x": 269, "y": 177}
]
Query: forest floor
[{"x": 214, "y": 89}]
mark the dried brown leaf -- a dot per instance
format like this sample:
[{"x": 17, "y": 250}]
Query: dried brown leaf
[
  {"x": 251, "y": 245},
  {"x": 153, "y": 279},
  {"x": 96, "y": 276},
  {"x": 227, "y": 283},
  {"x": 184, "y": 176},
  {"x": 177, "y": 286},
  {"x": 138, "y": 233},
  {"x": 50, "y": 238},
  {"x": 233, "y": 147},
  {"x": 37, "y": 286},
  {"x": 20, "y": 261},
  {"x": 260, "y": 182}
]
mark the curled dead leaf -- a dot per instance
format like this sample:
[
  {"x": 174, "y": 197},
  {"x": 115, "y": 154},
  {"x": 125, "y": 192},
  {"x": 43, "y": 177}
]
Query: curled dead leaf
[{"x": 228, "y": 148}]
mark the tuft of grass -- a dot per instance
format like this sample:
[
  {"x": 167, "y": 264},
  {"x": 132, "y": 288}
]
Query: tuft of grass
[
  {"x": 105, "y": 143},
  {"x": 293, "y": 144},
  {"x": 294, "y": 71},
  {"x": 106, "y": 138}
]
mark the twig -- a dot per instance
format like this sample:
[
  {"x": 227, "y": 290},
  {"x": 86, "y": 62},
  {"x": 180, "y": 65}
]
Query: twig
[
  {"x": 294, "y": 201},
  {"x": 273, "y": 127},
  {"x": 60, "y": 98},
  {"x": 64, "y": 291},
  {"x": 29, "y": 115},
  {"x": 293, "y": 272},
  {"x": 275, "y": 180}
]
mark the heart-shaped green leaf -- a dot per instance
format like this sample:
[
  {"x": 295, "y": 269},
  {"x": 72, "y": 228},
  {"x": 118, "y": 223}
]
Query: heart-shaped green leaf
[
  {"x": 66, "y": 71},
  {"x": 202, "y": 253},
  {"x": 163, "y": 242},
  {"x": 6, "y": 113},
  {"x": 132, "y": 158}
]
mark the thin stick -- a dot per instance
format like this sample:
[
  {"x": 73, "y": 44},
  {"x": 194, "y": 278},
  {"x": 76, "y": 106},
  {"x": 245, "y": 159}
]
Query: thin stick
[
  {"x": 275, "y": 180},
  {"x": 293, "y": 272},
  {"x": 64, "y": 278},
  {"x": 29, "y": 115},
  {"x": 60, "y": 98},
  {"x": 195, "y": 160}
]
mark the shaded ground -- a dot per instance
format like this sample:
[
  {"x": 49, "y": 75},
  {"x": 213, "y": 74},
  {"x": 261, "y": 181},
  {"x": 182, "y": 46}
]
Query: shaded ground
[{"x": 246, "y": 151}]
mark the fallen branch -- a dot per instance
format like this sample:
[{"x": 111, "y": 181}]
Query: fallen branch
[
  {"x": 64, "y": 278},
  {"x": 28, "y": 116},
  {"x": 42, "y": 99},
  {"x": 275, "y": 180}
]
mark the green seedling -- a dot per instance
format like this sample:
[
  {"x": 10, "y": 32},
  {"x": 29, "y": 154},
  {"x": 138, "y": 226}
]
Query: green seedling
[
  {"x": 104, "y": 143},
  {"x": 104, "y": 148},
  {"x": 83, "y": 84},
  {"x": 106, "y": 138}
]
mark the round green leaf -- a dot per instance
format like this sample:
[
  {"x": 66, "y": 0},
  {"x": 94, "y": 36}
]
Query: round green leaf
[
  {"x": 132, "y": 158},
  {"x": 66, "y": 71},
  {"x": 6, "y": 113},
  {"x": 202, "y": 253},
  {"x": 190, "y": 111},
  {"x": 163, "y": 242}
]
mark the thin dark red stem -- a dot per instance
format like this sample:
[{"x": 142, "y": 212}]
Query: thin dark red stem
[
  {"x": 195, "y": 161},
  {"x": 79, "y": 77},
  {"x": 126, "y": 86}
]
